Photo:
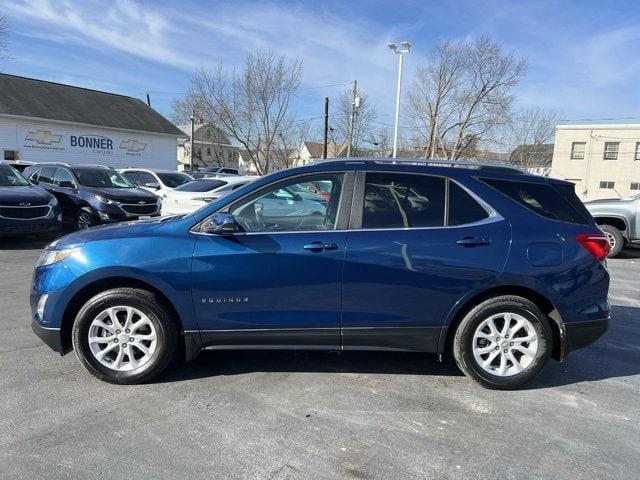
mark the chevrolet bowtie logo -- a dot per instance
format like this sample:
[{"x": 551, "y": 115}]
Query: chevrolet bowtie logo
[
  {"x": 43, "y": 137},
  {"x": 133, "y": 145}
]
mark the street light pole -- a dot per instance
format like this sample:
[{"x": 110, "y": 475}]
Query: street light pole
[{"x": 405, "y": 47}]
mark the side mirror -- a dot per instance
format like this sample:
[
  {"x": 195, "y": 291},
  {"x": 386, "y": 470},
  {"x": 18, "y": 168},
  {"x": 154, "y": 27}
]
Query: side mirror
[
  {"x": 66, "y": 184},
  {"x": 220, "y": 223},
  {"x": 152, "y": 185},
  {"x": 297, "y": 197}
]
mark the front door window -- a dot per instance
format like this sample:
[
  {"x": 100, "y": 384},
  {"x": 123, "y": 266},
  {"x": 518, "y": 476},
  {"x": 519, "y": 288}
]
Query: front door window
[{"x": 292, "y": 206}]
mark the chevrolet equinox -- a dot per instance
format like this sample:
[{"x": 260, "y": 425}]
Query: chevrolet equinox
[{"x": 497, "y": 267}]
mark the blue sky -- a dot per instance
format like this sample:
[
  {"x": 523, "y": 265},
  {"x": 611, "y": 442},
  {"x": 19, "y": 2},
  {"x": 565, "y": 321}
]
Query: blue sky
[{"x": 582, "y": 55}]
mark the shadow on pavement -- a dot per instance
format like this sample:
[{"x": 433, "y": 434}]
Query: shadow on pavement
[
  {"x": 210, "y": 363},
  {"x": 616, "y": 354},
  {"x": 629, "y": 253},
  {"x": 28, "y": 242}
]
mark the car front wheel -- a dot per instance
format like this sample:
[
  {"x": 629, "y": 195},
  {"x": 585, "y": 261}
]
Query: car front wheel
[
  {"x": 84, "y": 219},
  {"x": 503, "y": 343},
  {"x": 124, "y": 336}
]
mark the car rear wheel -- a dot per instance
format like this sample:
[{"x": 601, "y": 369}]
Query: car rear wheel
[
  {"x": 615, "y": 237},
  {"x": 84, "y": 219},
  {"x": 124, "y": 336},
  {"x": 503, "y": 343}
]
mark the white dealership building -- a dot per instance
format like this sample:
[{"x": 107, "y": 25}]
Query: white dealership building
[{"x": 43, "y": 121}]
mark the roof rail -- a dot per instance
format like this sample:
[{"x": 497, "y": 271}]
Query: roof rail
[
  {"x": 53, "y": 163},
  {"x": 430, "y": 162}
]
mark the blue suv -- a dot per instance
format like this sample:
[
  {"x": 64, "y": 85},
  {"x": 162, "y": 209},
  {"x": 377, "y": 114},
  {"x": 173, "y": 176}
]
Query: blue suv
[
  {"x": 498, "y": 267},
  {"x": 93, "y": 194}
]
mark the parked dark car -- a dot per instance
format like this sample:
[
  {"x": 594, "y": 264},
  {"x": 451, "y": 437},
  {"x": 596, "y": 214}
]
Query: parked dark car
[
  {"x": 497, "y": 267},
  {"x": 25, "y": 208},
  {"x": 90, "y": 194}
]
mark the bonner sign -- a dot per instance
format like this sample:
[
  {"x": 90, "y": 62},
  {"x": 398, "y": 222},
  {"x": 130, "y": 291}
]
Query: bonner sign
[{"x": 42, "y": 138}]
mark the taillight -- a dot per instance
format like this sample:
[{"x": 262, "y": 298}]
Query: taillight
[{"x": 597, "y": 244}]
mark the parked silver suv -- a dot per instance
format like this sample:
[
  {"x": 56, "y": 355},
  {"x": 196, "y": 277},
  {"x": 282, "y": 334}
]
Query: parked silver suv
[{"x": 619, "y": 219}]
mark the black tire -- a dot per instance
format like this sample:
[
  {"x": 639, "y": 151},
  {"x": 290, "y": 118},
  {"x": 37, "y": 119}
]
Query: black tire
[
  {"x": 463, "y": 341},
  {"x": 85, "y": 219},
  {"x": 165, "y": 326},
  {"x": 615, "y": 238}
]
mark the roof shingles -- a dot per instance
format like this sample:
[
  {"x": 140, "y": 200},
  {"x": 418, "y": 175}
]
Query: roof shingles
[{"x": 28, "y": 97}]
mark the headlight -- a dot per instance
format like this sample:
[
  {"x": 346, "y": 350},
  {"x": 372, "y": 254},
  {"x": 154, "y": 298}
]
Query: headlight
[
  {"x": 49, "y": 257},
  {"x": 105, "y": 200}
]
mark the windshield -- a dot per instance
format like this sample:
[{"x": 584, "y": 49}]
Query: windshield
[
  {"x": 9, "y": 177},
  {"x": 101, "y": 178},
  {"x": 201, "y": 186},
  {"x": 173, "y": 180}
]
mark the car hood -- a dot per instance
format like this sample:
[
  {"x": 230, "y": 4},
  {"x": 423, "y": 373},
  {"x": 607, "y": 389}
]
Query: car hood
[
  {"x": 29, "y": 193},
  {"x": 124, "y": 195},
  {"x": 123, "y": 230},
  {"x": 602, "y": 201}
]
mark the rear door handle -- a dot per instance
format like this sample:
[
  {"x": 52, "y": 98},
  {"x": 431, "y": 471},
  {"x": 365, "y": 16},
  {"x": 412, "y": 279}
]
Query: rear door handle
[
  {"x": 473, "y": 241},
  {"x": 320, "y": 246}
]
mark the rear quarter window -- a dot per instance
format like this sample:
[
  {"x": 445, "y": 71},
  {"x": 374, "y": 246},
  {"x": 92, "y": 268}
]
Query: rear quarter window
[{"x": 540, "y": 198}]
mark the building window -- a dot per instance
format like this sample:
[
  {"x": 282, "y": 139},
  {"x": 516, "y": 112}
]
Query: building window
[
  {"x": 635, "y": 185},
  {"x": 637, "y": 157},
  {"x": 607, "y": 185},
  {"x": 10, "y": 155},
  {"x": 577, "y": 150},
  {"x": 611, "y": 150}
]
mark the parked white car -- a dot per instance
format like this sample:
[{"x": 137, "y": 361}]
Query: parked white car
[
  {"x": 155, "y": 181},
  {"x": 193, "y": 195}
]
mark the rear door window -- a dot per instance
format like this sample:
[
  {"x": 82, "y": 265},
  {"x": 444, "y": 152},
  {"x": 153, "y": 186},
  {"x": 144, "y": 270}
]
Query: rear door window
[
  {"x": 398, "y": 200},
  {"x": 463, "y": 208},
  {"x": 540, "y": 198}
]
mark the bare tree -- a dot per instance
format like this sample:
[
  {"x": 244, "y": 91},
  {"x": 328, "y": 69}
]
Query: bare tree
[
  {"x": 435, "y": 90},
  {"x": 462, "y": 93},
  {"x": 527, "y": 134},
  {"x": 252, "y": 106},
  {"x": 365, "y": 116},
  {"x": 4, "y": 32}
]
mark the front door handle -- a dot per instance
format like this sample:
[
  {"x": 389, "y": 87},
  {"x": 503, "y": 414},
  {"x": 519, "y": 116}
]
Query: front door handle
[
  {"x": 320, "y": 246},
  {"x": 473, "y": 241}
]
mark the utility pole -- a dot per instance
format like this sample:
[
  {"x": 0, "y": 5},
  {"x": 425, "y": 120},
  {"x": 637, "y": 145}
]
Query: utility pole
[
  {"x": 326, "y": 127},
  {"x": 352, "y": 119},
  {"x": 148, "y": 99},
  {"x": 193, "y": 143}
]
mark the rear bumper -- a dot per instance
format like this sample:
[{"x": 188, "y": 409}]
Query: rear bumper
[
  {"x": 582, "y": 334},
  {"x": 50, "y": 336}
]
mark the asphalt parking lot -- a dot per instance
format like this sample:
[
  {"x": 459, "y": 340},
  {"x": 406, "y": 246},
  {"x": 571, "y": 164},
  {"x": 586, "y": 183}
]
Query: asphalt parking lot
[{"x": 316, "y": 415}]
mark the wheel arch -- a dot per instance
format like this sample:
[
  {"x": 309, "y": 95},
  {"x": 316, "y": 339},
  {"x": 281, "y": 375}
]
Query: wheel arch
[
  {"x": 91, "y": 289},
  {"x": 615, "y": 221},
  {"x": 546, "y": 306}
]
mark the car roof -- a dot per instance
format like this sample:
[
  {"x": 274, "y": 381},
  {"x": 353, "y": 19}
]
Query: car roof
[{"x": 152, "y": 170}]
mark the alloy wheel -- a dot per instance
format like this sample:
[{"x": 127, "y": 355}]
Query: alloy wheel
[
  {"x": 84, "y": 221},
  {"x": 122, "y": 338},
  {"x": 612, "y": 239},
  {"x": 505, "y": 344}
]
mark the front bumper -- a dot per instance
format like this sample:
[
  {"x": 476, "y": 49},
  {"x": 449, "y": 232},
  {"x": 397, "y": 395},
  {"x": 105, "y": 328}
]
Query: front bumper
[
  {"x": 50, "y": 336},
  {"x": 117, "y": 215},
  {"x": 31, "y": 228}
]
